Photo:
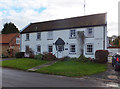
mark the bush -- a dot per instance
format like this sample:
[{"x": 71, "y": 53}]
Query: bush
[
  {"x": 66, "y": 58},
  {"x": 19, "y": 55},
  {"x": 101, "y": 56},
  {"x": 39, "y": 56},
  {"x": 48, "y": 56},
  {"x": 82, "y": 58},
  {"x": 3, "y": 56}
]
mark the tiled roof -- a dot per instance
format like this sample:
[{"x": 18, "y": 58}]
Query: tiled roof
[
  {"x": 75, "y": 22},
  {"x": 6, "y": 38}
]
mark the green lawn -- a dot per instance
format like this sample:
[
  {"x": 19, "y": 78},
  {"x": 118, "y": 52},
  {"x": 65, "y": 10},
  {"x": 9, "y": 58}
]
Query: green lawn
[
  {"x": 22, "y": 63},
  {"x": 73, "y": 69}
]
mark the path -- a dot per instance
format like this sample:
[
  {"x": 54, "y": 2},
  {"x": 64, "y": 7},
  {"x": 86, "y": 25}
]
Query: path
[{"x": 41, "y": 66}]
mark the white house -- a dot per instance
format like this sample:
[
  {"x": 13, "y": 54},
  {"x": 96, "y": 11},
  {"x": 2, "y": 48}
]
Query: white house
[{"x": 67, "y": 37}]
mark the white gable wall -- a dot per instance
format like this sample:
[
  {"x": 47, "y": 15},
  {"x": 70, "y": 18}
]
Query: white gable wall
[{"x": 97, "y": 41}]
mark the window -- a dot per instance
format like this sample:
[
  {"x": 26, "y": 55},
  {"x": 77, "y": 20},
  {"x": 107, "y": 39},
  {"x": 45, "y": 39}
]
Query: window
[
  {"x": 89, "y": 48},
  {"x": 38, "y": 48},
  {"x": 50, "y": 35},
  {"x": 26, "y": 48},
  {"x": 39, "y": 35},
  {"x": 17, "y": 40},
  {"x": 90, "y": 32},
  {"x": 72, "y": 33},
  {"x": 72, "y": 48},
  {"x": 60, "y": 47},
  {"x": 27, "y": 36},
  {"x": 50, "y": 48}
]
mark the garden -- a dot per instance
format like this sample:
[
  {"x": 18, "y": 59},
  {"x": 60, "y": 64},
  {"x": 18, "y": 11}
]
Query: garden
[{"x": 66, "y": 66}]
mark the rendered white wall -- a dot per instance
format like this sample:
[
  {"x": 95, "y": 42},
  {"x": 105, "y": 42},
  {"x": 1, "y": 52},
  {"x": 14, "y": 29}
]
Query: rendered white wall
[{"x": 97, "y": 40}]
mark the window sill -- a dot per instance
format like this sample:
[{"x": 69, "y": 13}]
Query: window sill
[
  {"x": 89, "y": 36},
  {"x": 72, "y": 37},
  {"x": 38, "y": 39},
  {"x": 49, "y": 39},
  {"x": 27, "y": 40},
  {"x": 72, "y": 53},
  {"x": 89, "y": 53}
]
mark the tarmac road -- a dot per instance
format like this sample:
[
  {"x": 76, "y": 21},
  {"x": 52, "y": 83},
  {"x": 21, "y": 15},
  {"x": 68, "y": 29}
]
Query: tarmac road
[{"x": 18, "y": 78}]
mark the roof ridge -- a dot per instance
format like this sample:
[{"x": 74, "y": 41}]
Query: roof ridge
[{"x": 68, "y": 18}]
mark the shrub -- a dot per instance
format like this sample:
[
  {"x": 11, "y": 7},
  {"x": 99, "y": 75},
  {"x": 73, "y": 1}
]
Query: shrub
[
  {"x": 48, "y": 56},
  {"x": 82, "y": 58},
  {"x": 66, "y": 58},
  {"x": 19, "y": 55},
  {"x": 39, "y": 56},
  {"x": 3, "y": 56},
  {"x": 101, "y": 56}
]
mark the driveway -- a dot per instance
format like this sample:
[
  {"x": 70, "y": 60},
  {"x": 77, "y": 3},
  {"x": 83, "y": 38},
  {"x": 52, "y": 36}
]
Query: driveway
[{"x": 17, "y": 78}]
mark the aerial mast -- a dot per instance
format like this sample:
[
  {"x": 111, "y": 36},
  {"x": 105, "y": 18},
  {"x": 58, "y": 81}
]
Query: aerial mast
[{"x": 84, "y": 7}]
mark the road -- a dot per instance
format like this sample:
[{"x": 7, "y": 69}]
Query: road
[{"x": 18, "y": 78}]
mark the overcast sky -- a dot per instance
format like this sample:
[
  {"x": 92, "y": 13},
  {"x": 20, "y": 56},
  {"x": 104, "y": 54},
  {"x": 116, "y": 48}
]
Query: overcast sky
[{"x": 23, "y": 12}]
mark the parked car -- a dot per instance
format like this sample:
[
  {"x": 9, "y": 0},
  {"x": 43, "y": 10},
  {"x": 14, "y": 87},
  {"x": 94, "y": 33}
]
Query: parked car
[{"x": 116, "y": 61}]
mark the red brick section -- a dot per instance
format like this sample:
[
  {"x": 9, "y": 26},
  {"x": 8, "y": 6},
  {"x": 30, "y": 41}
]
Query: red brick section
[{"x": 8, "y": 41}]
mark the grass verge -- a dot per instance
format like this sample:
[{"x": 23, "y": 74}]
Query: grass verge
[
  {"x": 73, "y": 69},
  {"x": 22, "y": 63}
]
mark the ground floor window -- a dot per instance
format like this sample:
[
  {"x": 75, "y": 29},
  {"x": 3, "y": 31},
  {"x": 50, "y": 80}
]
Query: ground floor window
[
  {"x": 50, "y": 48},
  {"x": 72, "y": 48},
  {"x": 89, "y": 48},
  {"x": 38, "y": 48},
  {"x": 27, "y": 48}
]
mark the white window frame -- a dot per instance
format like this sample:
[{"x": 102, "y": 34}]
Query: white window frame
[
  {"x": 73, "y": 33},
  {"x": 50, "y": 35},
  {"x": 90, "y": 32},
  {"x": 27, "y": 36},
  {"x": 52, "y": 48},
  {"x": 39, "y": 33},
  {"x": 70, "y": 49},
  {"x": 17, "y": 40},
  {"x": 89, "y": 53},
  {"x": 37, "y": 48}
]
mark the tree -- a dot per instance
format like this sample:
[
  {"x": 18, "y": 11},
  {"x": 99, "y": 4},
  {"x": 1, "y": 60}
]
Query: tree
[
  {"x": 116, "y": 42},
  {"x": 9, "y": 28},
  {"x": 81, "y": 38}
]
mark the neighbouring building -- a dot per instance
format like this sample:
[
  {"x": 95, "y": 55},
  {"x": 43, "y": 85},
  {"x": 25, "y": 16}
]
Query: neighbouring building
[
  {"x": 10, "y": 44},
  {"x": 67, "y": 37}
]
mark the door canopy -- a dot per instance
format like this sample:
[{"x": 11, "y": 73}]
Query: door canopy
[{"x": 59, "y": 42}]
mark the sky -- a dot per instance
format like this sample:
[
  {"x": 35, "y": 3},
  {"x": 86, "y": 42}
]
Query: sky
[{"x": 24, "y": 12}]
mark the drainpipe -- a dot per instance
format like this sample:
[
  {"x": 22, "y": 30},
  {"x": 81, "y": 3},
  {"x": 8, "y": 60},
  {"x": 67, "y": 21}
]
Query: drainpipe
[
  {"x": 20, "y": 42},
  {"x": 104, "y": 38}
]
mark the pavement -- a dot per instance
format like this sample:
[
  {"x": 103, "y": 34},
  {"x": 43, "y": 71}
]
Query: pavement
[
  {"x": 3, "y": 59},
  {"x": 41, "y": 66},
  {"x": 109, "y": 75}
]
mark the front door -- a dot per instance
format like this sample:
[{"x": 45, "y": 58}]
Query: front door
[{"x": 60, "y": 51}]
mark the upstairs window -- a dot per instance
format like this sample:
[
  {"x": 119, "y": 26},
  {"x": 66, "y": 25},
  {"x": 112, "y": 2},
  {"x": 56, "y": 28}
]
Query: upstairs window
[
  {"x": 27, "y": 36},
  {"x": 90, "y": 32},
  {"x": 39, "y": 36},
  {"x": 50, "y": 35},
  {"x": 17, "y": 40},
  {"x": 72, "y": 33}
]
